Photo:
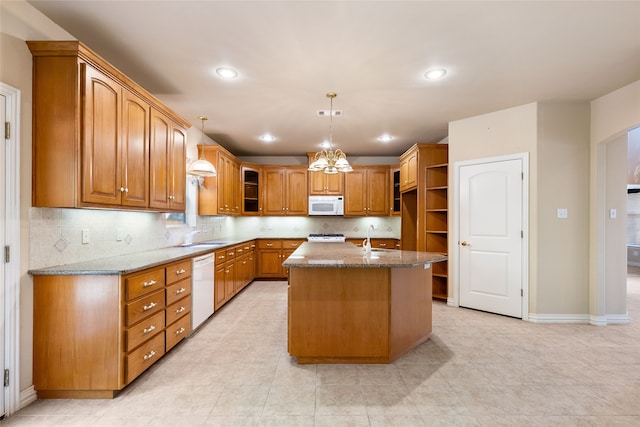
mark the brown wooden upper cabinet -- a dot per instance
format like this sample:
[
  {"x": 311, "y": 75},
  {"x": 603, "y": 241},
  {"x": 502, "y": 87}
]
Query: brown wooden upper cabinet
[
  {"x": 167, "y": 170},
  {"x": 92, "y": 134},
  {"x": 285, "y": 190},
  {"x": 221, "y": 193},
  {"x": 409, "y": 170},
  {"x": 322, "y": 184},
  {"x": 251, "y": 190},
  {"x": 367, "y": 191}
]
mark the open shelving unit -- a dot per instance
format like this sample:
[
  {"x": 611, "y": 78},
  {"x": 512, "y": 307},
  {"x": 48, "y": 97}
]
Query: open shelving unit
[{"x": 436, "y": 214}]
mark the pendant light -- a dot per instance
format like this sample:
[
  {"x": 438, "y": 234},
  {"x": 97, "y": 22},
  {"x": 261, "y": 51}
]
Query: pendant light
[
  {"x": 329, "y": 161},
  {"x": 202, "y": 167}
]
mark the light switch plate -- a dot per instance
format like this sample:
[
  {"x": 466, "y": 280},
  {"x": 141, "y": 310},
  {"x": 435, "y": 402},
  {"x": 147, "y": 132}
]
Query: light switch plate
[
  {"x": 613, "y": 214},
  {"x": 85, "y": 236},
  {"x": 563, "y": 213}
]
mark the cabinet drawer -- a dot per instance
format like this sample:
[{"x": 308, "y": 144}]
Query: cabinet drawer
[
  {"x": 178, "y": 271},
  {"x": 291, "y": 244},
  {"x": 230, "y": 253},
  {"x": 178, "y": 290},
  {"x": 269, "y": 244},
  {"x": 144, "y": 283},
  {"x": 178, "y": 309},
  {"x": 145, "y": 330},
  {"x": 239, "y": 250},
  {"x": 221, "y": 257},
  {"x": 138, "y": 310},
  {"x": 177, "y": 331},
  {"x": 144, "y": 356}
]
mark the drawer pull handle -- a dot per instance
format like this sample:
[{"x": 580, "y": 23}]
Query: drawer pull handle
[
  {"x": 221, "y": 257},
  {"x": 181, "y": 271},
  {"x": 149, "y": 283},
  {"x": 269, "y": 244},
  {"x": 149, "y": 307},
  {"x": 383, "y": 244},
  {"x": 231, "y": 253},
  {"x": 179, "y": 291},
  {"x": 180, "y": 310},
  {"x": 149, "y": 329},
  {"x": 180, "y": 331},
  {"x": 150, "y": 355}
]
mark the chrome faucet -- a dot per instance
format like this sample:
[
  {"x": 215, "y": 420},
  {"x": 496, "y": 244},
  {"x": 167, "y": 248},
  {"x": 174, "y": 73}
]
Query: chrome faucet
[{"x": 366, "y": 243}]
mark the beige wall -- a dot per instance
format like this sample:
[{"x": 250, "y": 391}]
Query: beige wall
[
  {"x": 616, "y": 234},
  {"x": 556, "y": 136},
  {"x": 612, "y": 116},
  {"x": 563, "y": 176}
]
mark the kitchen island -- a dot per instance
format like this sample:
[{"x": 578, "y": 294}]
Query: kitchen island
[{"x": 351, "y": 306}]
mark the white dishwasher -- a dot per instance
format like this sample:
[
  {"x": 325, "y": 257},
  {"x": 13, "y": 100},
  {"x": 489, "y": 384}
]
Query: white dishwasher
[{"x": 202, "y": 277}]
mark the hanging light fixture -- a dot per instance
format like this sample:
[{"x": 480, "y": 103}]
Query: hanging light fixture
[
  {"x": 327, "y": 160},
  {"x": 202, "y": 167}
]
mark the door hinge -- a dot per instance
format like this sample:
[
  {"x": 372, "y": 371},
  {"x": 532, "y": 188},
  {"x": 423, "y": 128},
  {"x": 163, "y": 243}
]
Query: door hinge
[
  {"x": 522, "y": 234},
  {"x": 521, "y": 292},
  {"x": 521, "y": 176},
  {"x": 7, "y": 254},
  {"x": 6, "y": 378},
  {"x": 7, "y": 130}
]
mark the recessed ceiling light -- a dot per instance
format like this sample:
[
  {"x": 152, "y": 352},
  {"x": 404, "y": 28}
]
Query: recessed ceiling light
[
  {"x": 226, "y": 72},
  {"x": 385, "y": 138},
  {"x": 435, "y": 73},
  {"x": 268, "y": 137}
]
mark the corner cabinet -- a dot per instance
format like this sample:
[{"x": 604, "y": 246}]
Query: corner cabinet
[{"x": 91, "y": 133}]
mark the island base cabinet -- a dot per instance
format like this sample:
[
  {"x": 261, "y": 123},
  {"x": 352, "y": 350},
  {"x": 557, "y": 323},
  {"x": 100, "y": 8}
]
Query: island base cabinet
[{"x": 357, "y": 315}]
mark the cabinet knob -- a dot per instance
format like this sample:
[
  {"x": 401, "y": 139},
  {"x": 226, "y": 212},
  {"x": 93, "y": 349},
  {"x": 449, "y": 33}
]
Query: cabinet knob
[
  {"x": 180, "y": 310},
  {"x": 150, "y": 355},
  {"x": 179, "y": 291},
  {"x": 122, "y": 189},
  {"x": 149, "y": 329},
  {"x": 181, "y": 271},
  {"x": 180, "y": 331}
]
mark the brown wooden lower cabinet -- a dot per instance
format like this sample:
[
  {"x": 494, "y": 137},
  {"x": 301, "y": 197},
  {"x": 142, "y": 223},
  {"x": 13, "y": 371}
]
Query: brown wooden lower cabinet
[
  {"x": 272, "y": 253},
  {"x": 235, "y": 269},
  {"x": 377, "y": 243},
  {"x": 94, "y": 334}
]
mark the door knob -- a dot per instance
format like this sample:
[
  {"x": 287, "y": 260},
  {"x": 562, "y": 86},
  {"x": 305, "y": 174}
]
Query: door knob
[{"x": 464, "y": 243}]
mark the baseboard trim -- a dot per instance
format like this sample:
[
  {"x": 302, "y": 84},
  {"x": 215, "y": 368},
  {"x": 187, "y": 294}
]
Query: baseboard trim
[
  {"x": 558, "y": 318},
  {"x": 618, "y": 319},
  {"x": 28, "y": 396}
]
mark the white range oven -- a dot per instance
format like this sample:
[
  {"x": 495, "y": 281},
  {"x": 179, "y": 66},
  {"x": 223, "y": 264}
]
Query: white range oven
[{"x": 326, "y": 237}]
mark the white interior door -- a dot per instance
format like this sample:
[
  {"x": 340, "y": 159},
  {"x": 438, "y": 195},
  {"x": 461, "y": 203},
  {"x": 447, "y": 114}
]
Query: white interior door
[
  {"x": 490, "y": 236},
  {"x": 3, "y": 221}
]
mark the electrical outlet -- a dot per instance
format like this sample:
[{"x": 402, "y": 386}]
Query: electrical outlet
[
  {"x": 563, "y": 213},
  {"x": 613, "y": 214},
  {"x": 85, "y": 236}
]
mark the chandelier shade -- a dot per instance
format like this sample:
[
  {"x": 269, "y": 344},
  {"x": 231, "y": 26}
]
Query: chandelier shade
[{"x": 330, "y": 161}]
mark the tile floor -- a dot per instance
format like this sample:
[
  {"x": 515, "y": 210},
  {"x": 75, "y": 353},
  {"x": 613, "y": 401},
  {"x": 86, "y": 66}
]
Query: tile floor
[{"x": 478, "y": 369}]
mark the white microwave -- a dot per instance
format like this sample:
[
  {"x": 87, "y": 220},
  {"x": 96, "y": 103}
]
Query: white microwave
[{"x": 326, "y": 205}]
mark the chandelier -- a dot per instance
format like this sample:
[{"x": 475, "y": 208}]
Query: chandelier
[
  {"x": 202, "y": 167},
  {"x": 328, "y": 160}
]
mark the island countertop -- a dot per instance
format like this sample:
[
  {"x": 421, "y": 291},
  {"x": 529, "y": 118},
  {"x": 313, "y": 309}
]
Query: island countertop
[{"x": 348, "y": 255}]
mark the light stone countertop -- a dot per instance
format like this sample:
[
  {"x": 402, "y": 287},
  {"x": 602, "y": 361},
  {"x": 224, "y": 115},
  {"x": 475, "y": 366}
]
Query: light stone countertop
[
  {"x": 348, "y": 255},
  {"x": 129, "y": 263}
]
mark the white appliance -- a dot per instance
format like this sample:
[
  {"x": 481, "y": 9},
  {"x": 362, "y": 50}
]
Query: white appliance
[
  {"x": 331, "y": 238},
  {"x": 326, "y": 205},
  {"x": 202, "y": 277}
]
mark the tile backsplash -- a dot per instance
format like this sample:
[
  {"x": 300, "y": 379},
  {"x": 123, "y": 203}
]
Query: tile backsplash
[{"x": 56, "y": 234}]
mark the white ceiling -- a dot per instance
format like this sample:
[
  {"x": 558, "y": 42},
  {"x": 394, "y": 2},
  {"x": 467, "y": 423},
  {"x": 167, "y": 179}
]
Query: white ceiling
[{"x": 372, "y": 53}]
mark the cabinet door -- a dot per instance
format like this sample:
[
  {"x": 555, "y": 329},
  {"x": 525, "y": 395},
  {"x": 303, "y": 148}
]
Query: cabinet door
[
  {"x": 274, "y": 191},
  {"x": 317, "y": 183},
  {"x": 335, "y": 184},
  {"x": 251, "y": 197},
  {"x": 378, "y": 191},
  {"x": 409, "y": 172},
  {"x": 297, "y": 196},
  {"x": 100, "y": 138},
  {"x": 159, "y": 187},
  {"x": 220, "y": 285},
  {"x": 177, "y": 170},
  {"x": 135, "y": 150},
  {"x": 355, "y": 192},
  {"x": 269, "y": 263},
  {"x": 230, "y": 280}
]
